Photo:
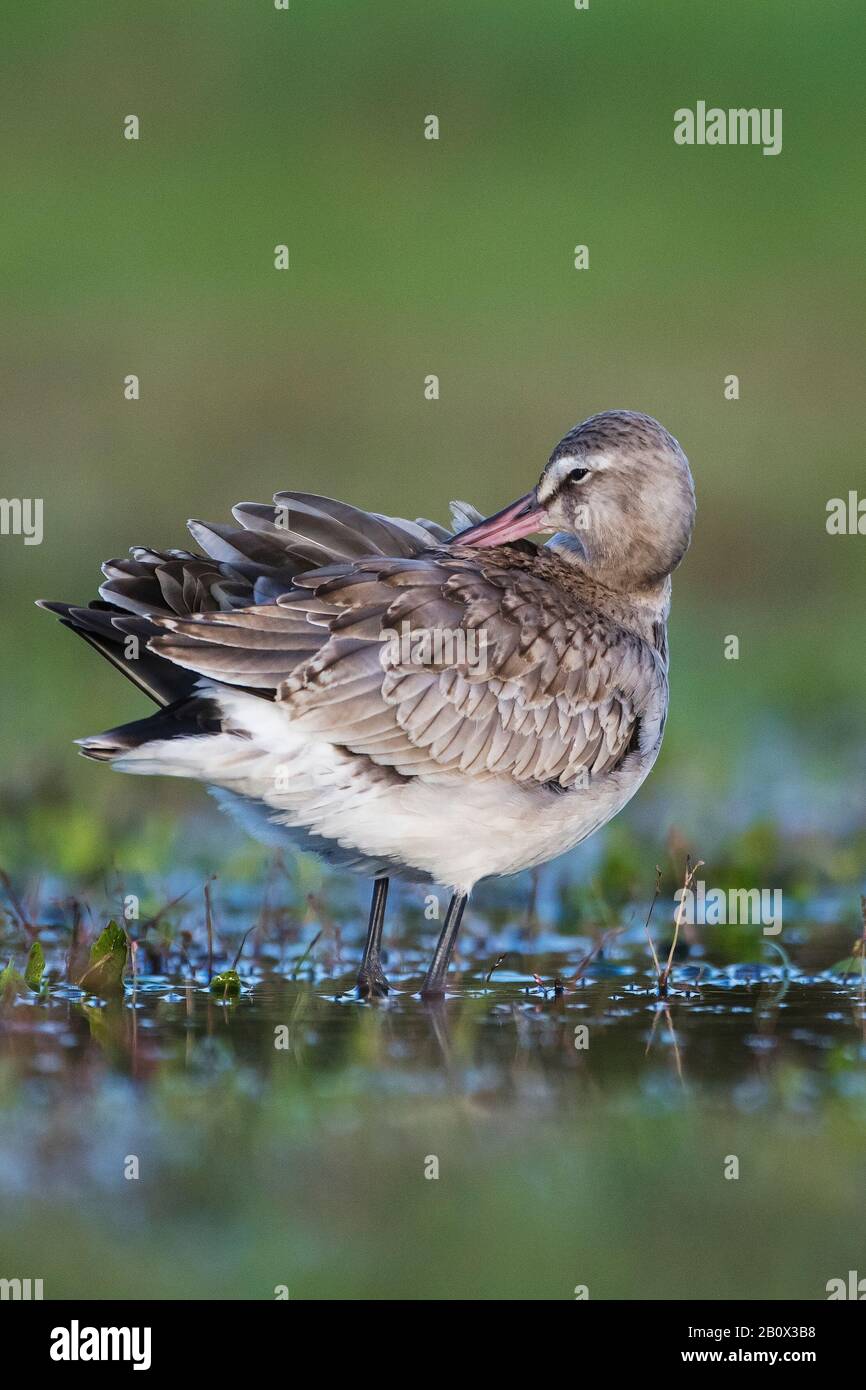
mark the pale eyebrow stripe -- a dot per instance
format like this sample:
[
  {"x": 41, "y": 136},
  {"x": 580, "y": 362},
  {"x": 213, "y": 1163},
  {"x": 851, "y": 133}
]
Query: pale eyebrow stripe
[{"x": 555, "y": 478}]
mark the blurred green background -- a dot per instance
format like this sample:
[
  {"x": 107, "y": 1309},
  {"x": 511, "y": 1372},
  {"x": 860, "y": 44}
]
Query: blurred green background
[
  {"x": 454, "y": 257},
  {"x": 410, "y": 257}
]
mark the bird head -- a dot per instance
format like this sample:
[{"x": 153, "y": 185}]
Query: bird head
[{"x": 617, "y": 496}]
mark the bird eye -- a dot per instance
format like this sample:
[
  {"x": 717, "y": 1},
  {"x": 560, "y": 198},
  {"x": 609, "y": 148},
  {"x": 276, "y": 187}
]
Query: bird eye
[{"x": 577, "y": 474}]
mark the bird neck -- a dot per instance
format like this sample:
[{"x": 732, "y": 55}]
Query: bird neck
[{"x": 643, "y": 610}]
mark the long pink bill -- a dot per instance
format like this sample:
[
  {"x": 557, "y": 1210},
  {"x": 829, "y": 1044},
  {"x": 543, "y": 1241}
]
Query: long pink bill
[{"x": 520, "y": 519}]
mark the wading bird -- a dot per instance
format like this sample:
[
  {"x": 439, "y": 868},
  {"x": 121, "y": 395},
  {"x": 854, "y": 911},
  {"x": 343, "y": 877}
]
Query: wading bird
[{"x": 273, "y": 659}]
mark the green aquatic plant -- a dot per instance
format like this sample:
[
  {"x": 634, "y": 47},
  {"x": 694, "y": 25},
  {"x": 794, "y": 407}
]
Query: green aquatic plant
[
  {"x": 104, "y": 974},
  {"x": 855, "y": 964},
  {"x": 227, "y": 983},
  {"x": 305, "y": 956},
  {"x": 35, "y": 967},
  {"x": 12, "y": 982}
]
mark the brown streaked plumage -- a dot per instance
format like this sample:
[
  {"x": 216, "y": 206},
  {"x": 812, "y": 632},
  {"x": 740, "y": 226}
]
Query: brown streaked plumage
[{"x": 532, "y": 715}]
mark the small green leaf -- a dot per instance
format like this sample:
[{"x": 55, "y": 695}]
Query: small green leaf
[
  {"x": 228, "y": 983},
  {"x": 35, "y": 967},
  {"x": 11, "y": 982},
  {"x": 104, "y": 974}
]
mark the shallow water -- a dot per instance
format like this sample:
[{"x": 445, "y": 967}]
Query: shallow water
[
  {"x": 716, "y": 1028},
  {"x": 176, "y": 1142}
]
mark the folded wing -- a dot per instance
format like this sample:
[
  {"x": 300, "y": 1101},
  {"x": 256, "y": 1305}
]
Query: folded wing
[
  {"x": 252, "y": 562},
  {"x": 437, "y": 662}
]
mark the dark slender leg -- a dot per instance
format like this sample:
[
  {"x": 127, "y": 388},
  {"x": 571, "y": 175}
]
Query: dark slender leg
[
  {"x": 434, "y": 982},
  {"x": 371, "y": 976}
]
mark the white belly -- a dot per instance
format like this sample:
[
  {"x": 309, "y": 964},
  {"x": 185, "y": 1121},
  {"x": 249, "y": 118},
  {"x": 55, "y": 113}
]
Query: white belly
[{"x": 451, "y": 829}]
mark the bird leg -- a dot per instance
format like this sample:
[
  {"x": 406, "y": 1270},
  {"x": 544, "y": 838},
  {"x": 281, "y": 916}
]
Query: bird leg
[
  {"x": 371, "y": 977},
  {"x": 434, "y": 981}
]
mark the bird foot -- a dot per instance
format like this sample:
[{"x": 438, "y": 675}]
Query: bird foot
[
  {"x": 372, "y": 983},
  {"x": 432, "y": 993}
]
